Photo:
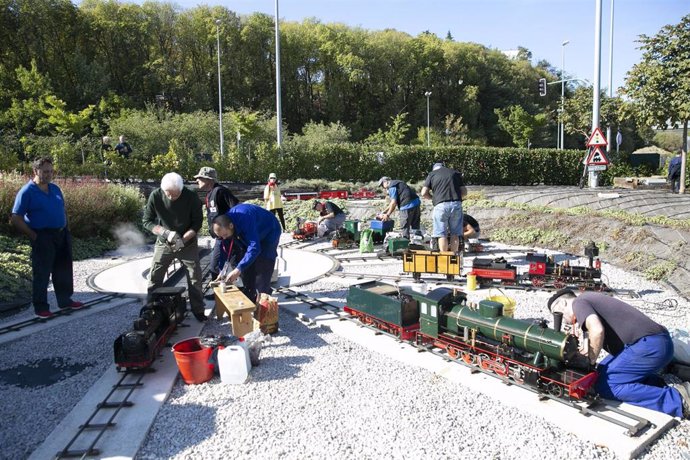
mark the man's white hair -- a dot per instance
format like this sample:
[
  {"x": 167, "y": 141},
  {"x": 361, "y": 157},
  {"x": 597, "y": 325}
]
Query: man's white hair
[{"x": 172, "y": 181}]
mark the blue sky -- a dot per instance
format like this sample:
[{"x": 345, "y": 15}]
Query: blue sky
[{"x": 538, "y": 25}]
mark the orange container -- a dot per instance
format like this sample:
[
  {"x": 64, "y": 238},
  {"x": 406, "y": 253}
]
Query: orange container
[{"x": 192, "y": 360}]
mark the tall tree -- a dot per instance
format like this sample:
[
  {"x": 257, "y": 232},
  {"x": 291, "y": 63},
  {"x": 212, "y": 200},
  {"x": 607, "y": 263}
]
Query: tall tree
[{"x": 660, "y": 84}]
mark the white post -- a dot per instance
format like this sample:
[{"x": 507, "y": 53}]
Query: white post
[
  {"x": 220, "y": 98},
  {"x": 608, "y": 128},
  {"x": 279, "y": 116},
  {"x": 428, "y": 123},
  {"x": 596, "y": 87},
  {"x": 562, "y": 123}
]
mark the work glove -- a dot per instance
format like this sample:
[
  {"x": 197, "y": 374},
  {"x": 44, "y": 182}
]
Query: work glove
[
  {"x": 169, "y": 236},
  {"x": 177, "y": 243}
]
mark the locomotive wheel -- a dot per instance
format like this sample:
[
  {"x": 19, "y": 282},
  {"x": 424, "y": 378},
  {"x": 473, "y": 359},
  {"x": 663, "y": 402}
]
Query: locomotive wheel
[
  {"x": 559, "y": 283},
  {"x": 469, "y": 358},
  {"x": 517, "y": 374},
  {"x": 416, "y": 276},
  {"x": 450, "y": 277},
  {"x": 555, "y": 390},
  {"x": 538, "y": 281},
  {"x": 453, "y": 352},
  {"x": 484, "y": 361}
]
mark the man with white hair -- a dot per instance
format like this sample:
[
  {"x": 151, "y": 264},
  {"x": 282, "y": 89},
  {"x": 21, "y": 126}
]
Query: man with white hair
[
  {"x": 638, "y": 350},
  {"x": 173, "y": 213}
]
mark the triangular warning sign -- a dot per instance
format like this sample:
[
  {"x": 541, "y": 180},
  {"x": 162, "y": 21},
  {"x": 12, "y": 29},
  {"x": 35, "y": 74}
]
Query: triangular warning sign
[
  {"x": 597, "y": 139},
  {"x": 597, "y": 157}
]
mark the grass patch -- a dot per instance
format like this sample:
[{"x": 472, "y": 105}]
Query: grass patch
[{"x": 660, "y": 271}]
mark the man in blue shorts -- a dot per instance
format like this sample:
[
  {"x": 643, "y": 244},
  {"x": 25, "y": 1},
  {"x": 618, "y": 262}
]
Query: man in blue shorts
[
  {"x": 259, "y": 231},
  {"x": 39, "y": 213},
  {"x": 638, "y": 350},
  {"x": 445, "y": 188}
]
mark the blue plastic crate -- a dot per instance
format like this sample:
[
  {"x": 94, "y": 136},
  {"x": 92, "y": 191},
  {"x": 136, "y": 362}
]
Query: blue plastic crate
[{"x": 382, "y": 225}]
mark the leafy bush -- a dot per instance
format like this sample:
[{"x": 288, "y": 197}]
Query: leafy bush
[{"x": 93, "y": 208}]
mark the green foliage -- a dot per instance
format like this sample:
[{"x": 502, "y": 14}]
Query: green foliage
[
  {"x": 519, "y": 124},
  {"x": 658, "y": 85},
  {"x": 395, "y": 132},
  {"x": 526, "y": 236},
  {"x": 93, "y": 208},
  {"x": 321, "y": 133},
  {"x": 669, "y": 140},
  {"x": 661, "y": 270}
]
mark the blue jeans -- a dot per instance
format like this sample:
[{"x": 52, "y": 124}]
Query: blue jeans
[
  {"x": 447, "y": 219},
  {"x": 632, "y": 376},
  {"x": 51, "y": 254}
]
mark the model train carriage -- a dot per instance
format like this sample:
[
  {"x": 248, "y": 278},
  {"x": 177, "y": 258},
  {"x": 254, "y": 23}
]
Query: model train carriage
[
  {"x": 489, "y": 270},
  {"x": 437, "y": 262},
  {"x": 385, "y": 307},
  {"x": 522, "y": 351}
]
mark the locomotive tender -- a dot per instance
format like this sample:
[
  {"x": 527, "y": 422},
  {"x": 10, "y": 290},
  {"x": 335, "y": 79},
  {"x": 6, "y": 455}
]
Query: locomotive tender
[{"x": 479, "y": 336}]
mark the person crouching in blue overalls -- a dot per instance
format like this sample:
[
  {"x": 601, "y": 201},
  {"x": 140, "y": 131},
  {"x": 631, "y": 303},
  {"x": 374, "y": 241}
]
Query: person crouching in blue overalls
[{"x": 638, "y": 350}]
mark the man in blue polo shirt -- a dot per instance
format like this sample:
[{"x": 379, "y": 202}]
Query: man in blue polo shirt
[
  {"x": 406, "y": 200},
  {"x": 259, "y": 231},
  {"x": 39, "y": 213}
]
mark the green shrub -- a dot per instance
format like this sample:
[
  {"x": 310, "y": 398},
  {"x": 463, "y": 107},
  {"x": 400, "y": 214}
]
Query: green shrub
[{"x": 93, "y": 208}]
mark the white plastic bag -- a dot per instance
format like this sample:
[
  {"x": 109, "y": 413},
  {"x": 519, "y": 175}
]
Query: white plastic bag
[{"x": 681, "y": 345}]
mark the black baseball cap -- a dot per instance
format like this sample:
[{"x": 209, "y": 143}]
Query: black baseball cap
[{"x": 559, "y": 293}]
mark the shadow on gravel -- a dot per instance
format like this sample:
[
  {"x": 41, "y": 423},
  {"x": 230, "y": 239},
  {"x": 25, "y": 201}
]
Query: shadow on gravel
[
  {"x": 649, "y": 291},
  {"x": 278, "y": 368}
]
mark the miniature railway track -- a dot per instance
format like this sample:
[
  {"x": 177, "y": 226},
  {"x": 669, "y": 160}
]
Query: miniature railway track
[
  {"x": 632, "y": 423},
  {"x": 595, "y": 408},
  {"x": 14, "y": 327},
  {"x": 83, "y": 443}
]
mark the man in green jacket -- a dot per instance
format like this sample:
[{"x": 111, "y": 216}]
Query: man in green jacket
[{"x": 173, "y": 213}]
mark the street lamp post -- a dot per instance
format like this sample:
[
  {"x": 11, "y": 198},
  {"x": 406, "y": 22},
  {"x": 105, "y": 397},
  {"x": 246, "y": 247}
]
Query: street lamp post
[
  {"x": 220, "y": 97},
  {"x": 428, "y": 123},
  {"x": 279, "y": 134},
  {"x": 561, "y": 125}
]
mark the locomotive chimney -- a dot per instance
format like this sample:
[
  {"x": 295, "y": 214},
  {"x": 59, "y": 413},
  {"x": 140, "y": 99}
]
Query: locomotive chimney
[
  {"x": 591, "y": 251},
  {"x": 557, "y": 320}
]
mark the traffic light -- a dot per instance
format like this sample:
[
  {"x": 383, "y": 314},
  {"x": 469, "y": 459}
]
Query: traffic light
[{"x": 542, "y": 86}]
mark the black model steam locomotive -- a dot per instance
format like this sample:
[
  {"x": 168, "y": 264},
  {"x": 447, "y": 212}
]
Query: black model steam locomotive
[
  {"x": 523, "y": 352},
  {"x": 543, "y": 272},
  {"x": 158, "y": 319}
]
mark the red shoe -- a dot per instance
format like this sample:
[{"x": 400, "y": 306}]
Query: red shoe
[
  {"x": 76, "y": 306},
  {"x": 44, "y": 314}
]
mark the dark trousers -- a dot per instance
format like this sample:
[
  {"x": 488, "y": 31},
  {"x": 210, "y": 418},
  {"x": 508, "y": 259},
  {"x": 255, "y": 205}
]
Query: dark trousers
[
  {"x": 257, "y": 278},
  {"x": 279, "y": 213},
  {"x": 163, "y": 255},
  {"x": 217, "y": 258},
  {"x": 410, "y": 220},
  {"x": 51, "y": 255}
]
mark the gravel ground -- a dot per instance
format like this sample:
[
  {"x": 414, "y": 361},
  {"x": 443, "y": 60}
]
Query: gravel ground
[{"x": 315, "y": 394}]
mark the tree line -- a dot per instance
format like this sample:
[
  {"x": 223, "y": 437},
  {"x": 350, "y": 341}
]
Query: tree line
[{"x": 75, "y": 73}]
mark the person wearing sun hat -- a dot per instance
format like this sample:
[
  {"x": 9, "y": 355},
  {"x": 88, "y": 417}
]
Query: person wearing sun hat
[
  {"x": 273, "y": 198},
  {"x": 638, "y": 350},
  {"x": 219, "y": 200}
]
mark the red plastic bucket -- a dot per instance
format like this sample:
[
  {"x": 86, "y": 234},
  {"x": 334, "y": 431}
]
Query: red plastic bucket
[{"x": 192, "y": 360}]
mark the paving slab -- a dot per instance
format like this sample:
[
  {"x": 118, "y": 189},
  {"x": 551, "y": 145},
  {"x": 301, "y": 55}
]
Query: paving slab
[{"x": 131, "y": 424}]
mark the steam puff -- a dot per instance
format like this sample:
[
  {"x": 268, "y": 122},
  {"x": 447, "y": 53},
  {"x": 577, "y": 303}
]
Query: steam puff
[{"x": 129, "y": 239}]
